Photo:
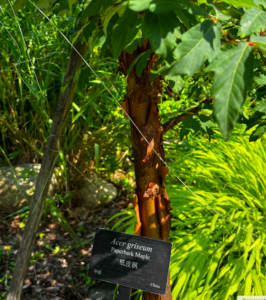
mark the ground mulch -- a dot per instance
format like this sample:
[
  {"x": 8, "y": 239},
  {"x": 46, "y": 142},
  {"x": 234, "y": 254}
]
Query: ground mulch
[{"x": 51, "y": 275}]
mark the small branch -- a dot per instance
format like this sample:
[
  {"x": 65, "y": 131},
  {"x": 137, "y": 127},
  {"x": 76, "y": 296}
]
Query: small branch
[
  {"x": 229, "y": 27},
  {"x": 170, "y": 124},
  {"x": 227, "y": 35},
  {"x": 228, "y": 41},
  {"x": 262, "y": 57}
]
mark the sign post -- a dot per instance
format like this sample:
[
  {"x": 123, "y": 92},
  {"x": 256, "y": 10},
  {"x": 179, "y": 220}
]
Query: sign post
[
  {"x": 124, "y": 293},
  {"x": 131, "y": 261}
]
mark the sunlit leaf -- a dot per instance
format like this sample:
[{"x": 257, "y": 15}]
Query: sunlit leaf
[
  {"x": 261, "y": 80},
  {"x": 233, "y": 74},
  {"x": 166, "y": 6},
  {"x": 199, "y": 43},
  {"x": 241, "y": 3},
  {"x": 253, "y": 20}
]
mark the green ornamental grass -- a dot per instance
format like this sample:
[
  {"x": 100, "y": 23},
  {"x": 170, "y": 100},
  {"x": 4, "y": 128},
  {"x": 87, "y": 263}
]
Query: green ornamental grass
[{"x": 213, "y": 258}]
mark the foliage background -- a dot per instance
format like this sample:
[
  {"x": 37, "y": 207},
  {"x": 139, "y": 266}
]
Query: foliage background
[{"x": 212, "y": 259}]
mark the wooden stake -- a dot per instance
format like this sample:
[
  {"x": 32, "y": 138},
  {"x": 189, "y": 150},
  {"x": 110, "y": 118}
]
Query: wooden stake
[{"x": 36, "y": 209}]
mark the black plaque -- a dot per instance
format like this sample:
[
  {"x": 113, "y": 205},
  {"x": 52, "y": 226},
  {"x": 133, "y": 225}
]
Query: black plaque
[{"x": 131, "y": 261}]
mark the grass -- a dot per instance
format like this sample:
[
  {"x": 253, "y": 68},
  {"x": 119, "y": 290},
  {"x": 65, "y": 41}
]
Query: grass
[{"x": 212, "y": 257}]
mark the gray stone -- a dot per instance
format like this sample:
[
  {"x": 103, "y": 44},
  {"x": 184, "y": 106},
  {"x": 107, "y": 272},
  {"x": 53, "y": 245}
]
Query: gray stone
[
  {"x": 98, "y": 192},
  {"x": 102, "y": 292},
  {"x": 11, "y": 197}
]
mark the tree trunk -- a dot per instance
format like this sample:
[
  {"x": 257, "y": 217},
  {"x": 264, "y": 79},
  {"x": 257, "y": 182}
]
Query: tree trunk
[
  {"x": 151, "y": 202},
  {"x": 36, "y": 210}
]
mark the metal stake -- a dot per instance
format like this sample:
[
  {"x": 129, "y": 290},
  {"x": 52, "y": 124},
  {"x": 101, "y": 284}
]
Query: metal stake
[{"x": 124, "y": 293}]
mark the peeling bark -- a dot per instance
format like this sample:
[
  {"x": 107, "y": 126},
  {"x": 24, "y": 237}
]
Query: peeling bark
[{"x": 151, "y": 202}]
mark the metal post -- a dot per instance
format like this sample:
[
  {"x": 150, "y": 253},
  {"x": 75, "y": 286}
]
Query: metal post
[{"x": 124, "y": 293}]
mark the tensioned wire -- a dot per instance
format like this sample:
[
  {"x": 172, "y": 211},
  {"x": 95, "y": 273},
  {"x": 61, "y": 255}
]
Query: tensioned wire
[{"x": 158, "y": 155}]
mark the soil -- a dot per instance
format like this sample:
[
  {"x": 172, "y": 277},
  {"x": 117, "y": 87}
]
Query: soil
[{"x": 51, "y": 275}]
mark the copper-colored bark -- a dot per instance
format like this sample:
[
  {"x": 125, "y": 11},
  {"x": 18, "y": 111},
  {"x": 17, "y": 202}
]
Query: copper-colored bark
[{"x": 151, "y": 202}]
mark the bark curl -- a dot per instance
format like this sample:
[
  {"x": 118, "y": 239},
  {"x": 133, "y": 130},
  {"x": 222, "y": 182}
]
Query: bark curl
[{"x": 151, "y": 202}]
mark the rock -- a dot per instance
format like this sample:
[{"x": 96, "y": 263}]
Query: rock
[
  {"x": 102, "y": 292},
  {"x": 97, "y": 193},
  {"x": 11, "y": 198}
]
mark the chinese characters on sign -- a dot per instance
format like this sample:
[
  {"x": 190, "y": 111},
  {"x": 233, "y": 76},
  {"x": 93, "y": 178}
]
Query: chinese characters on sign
[{"x": 128, "y": 264}]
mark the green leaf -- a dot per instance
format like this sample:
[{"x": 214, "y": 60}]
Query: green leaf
[
  {"x": 70, "y": 4},
  {"x": 252, "y": 20},
  {"x": 43, "y": 4},
  {"x": 19, "y": 4},
  {"x": 90, "y": 27},
  {"x": 259, "y": 41},
  {"x": 213, "y": 266},
  {"x": 261, "y": 80},
  {"x": 176, "y": 83},
  {"x": 241, "y": 3},
  {"x": 257, "y": 285},
  {"x": 200, "y": 270},
  {"x": 261, "y": 107},
  {"x": 258, "y": 132},
  {"x": 109, "y": 32},
  {"x": 22, "y": 225},
  {"x": 190, "y": 124},
  {"x": 109, "y": 14},
  {"x": 125, "y": 31},
  {"x": 137, "y": 41},
  {"x": 160, "y": 30},
  {"x": 260, "y": 2},
  {"x": 254, "y": 120},
  {"x": 219, "y": 15},
  {"x": 64, "y": 7},
  {"x": 187, "y": 19},
  {"x": 134, "y": 62},
  {"x": 205, "y": 123},
  {"x": 166, "y": 6},
  {"x": 198, "y": 43},
  {"x": 142, "y": 63},
  {"x": 139, "y": 5},
  {"x": 94, "y": 8},
  {"x": 233, "y": 74}
]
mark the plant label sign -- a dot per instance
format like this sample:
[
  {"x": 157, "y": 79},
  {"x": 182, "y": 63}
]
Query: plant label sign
[{"x": 131, "y": 261}]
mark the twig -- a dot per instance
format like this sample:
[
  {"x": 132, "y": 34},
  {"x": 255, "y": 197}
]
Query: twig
[
  {"x": 170, "y": 124},
  {"x": 229, "y": 27},
  {"x": 262, "y": 57},
  {"x": 229, "y": 41}
]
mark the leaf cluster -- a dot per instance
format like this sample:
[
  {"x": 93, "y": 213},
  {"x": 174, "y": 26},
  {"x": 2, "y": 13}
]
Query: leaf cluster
[{"x": 224, "y": 41}]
